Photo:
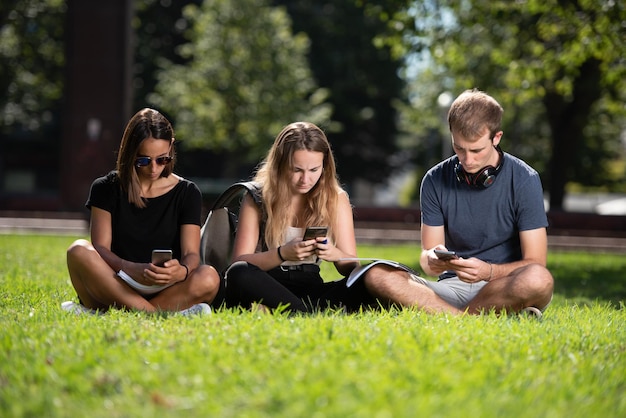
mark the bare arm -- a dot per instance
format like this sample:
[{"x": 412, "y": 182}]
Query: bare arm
[
  {"x": 534, "y": 244},
  {"x": 344, "y": 245},
  {"x": 190, "y": 245},
  {"x": 173, "y": 270},
  {"x": 248, "y": 236},
  {"x": 432, "y": 237},
  {"x": 101, "y": 237}
]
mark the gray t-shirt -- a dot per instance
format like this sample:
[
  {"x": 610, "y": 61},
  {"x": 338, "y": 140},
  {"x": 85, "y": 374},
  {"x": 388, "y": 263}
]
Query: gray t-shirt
[{"x": 484, "y": 223}]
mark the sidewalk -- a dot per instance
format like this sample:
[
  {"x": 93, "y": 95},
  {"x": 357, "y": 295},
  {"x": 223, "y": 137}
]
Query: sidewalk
[
  {"x": 78, "y": 227},
  {"x": 392, "y": 233},
  {"x": 366, "y": 233}
]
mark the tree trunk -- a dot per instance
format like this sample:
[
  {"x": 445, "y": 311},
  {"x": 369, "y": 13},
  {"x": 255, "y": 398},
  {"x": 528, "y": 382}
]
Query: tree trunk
[{"x": 568, "y": 117}]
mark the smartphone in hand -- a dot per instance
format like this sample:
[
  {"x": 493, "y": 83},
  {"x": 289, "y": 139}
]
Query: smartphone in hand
[
  {"x": 159, "y": 257},
  {"x": 446, "y": 255},
  {"x": 313, "y": 232}
]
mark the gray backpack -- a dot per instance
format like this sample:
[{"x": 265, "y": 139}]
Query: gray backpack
[{"x": 217, "y": 235}]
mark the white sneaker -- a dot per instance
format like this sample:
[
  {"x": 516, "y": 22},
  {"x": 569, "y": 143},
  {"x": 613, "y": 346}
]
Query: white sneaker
[
  {"x": 197, "y": 309},
  {"x": 77, "y": 308},
  {"x": 531, "y": 312}
]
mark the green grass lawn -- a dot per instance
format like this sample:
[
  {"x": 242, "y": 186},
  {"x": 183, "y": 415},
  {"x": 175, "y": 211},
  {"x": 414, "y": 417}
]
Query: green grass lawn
[{"x": 572, "y": 363}]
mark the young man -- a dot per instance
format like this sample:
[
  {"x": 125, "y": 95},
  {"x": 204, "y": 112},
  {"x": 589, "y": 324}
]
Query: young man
[{"x": 487, "y": 206}]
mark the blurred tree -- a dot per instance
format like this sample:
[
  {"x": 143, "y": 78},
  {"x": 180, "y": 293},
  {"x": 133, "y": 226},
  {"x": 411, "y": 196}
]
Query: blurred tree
[
  {"x": 557, "y": 66},
  {"x": 159, "y": 29},
  {"x": 364, "y": 83},
  {"x": 246, "y": 77},
  {"x": 32, "y": 81},
  {"x": 31, "y": 65}
]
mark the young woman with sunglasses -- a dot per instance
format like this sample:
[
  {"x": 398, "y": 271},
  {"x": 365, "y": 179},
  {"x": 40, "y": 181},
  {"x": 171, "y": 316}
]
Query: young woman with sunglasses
[{"x": 137, "y": 208}]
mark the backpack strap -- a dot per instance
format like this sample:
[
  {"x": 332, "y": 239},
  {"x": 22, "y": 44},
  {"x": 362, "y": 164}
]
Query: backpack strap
[
  {"x": 254, "y": 190},
  {"x": 228, "y": 195},
  {"x": 218, "y": 231}
]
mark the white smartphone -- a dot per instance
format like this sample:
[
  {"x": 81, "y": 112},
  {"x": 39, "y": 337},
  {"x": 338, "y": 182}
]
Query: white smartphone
[
  {"x": 446, "y": 255},
  {"x": 159, "y": 257}
]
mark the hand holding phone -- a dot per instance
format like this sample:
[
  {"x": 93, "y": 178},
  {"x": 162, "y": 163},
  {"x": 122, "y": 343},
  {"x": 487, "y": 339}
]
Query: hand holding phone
[
  {"x": 445, "y": 255},
  {"x": 313, "y": 232},
  {"x": 159, "y": 257}
]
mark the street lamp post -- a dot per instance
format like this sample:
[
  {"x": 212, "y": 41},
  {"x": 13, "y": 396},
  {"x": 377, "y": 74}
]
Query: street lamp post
[{"x": 444, "y": 100}]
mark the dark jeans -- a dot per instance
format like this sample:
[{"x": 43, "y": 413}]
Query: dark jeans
[{"x": 299, "y": 290}]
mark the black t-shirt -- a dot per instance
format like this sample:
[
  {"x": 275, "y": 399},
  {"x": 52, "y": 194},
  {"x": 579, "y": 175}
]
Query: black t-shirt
[{"x": 136, "y": 232}]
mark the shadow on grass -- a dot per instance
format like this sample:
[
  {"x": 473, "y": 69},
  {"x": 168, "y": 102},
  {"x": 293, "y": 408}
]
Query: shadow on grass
[{"x": 584, "y": 276}]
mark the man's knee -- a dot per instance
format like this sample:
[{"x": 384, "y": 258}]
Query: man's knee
[
  {"x": 375, "y": 277},
  {"x": 384, "y": 282},
  {"x": 539, "y": 284},
  {"x": 539, "y": 278}
]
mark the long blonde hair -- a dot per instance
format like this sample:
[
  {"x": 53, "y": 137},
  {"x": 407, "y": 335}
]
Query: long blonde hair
[{"x": 274, "y": 175}]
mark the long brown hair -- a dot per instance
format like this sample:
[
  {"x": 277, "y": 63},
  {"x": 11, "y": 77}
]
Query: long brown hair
[
  {"x": 144, "y": 124},
  {"x": 274, "y": 175}
]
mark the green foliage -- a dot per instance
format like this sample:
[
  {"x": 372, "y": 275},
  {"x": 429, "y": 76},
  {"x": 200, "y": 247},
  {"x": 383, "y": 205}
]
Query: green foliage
[
  {"x": 557, "y": 68},
  {"x": 245, "y": 77},
  {"x": 363, "y": 80},
  {"x": 231, "y": 364},
  {"x": 159, "y": 30},
  {"x": 32, "y": 60}
]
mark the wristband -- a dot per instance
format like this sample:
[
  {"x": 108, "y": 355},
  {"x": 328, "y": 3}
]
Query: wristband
[
  {"x": 279, "y": 254},
  {"x": 187, "y": 271},
  {"x": 490, "y": 271}
]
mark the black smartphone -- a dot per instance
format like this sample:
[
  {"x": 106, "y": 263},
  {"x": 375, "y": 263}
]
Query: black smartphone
[
  {"x": 159, "y": 257},
  {"x": 313, "y": 232},
  {"x": 446, "y": 255}
]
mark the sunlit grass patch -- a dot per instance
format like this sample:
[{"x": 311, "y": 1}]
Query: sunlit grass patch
[{"x": 398, "y": 363}]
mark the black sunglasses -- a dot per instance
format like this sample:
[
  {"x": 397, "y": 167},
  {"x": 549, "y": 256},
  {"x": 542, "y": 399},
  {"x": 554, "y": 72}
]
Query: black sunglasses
[{"x": 144, "y": 161}]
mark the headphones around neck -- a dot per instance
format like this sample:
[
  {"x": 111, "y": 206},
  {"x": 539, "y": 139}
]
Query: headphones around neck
[{"x": 484, "y": 177}]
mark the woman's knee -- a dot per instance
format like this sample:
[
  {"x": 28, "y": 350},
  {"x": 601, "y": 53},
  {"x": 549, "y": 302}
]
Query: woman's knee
[
  {"x": 237, "y": 273},
  {"x": 80, "y": 249},
  {"x": 78, "y": 245},
  {"x": 241, "y": 283},
  {"x": 206, "y": 281}
]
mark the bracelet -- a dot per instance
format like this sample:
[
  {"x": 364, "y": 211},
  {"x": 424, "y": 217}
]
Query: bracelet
[
  {"x": 490, "y": 271},
  {"x": 187, "y": 271},
  {"x": 279, "y": 254}
]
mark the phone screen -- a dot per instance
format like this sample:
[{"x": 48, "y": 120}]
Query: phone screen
[
  {"x": 445, "y": 255},
  {"x": 314, "y": 232},
  {"x": 159, "y": 257}
]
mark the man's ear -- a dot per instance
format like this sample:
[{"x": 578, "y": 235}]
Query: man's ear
[{"x": 496, "y": 138}]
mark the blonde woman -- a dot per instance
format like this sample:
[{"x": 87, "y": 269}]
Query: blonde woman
[{"x": 273, "y": 264}]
